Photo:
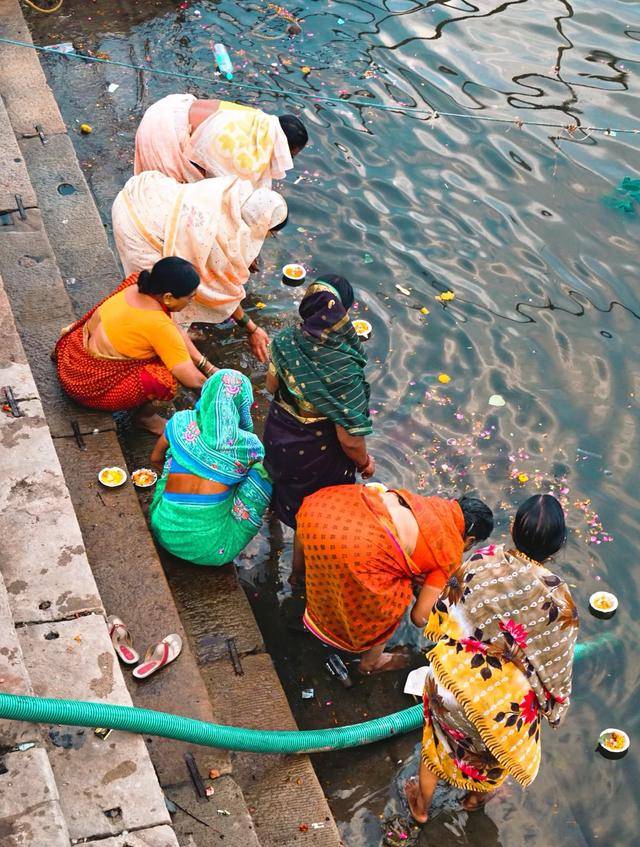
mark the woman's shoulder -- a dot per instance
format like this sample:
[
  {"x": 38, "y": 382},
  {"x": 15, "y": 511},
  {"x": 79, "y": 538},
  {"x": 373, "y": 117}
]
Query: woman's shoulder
[{"x": 489, "y": 554}]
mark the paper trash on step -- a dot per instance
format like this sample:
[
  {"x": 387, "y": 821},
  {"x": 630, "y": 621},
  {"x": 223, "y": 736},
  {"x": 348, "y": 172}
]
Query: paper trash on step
[{"x": 415, "y": 681}]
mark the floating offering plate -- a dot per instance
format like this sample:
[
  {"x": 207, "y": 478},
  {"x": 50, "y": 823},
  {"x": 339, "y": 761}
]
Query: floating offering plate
[
  {"x": 613, "y": 743},
  {"x": 363, "y": 328},
  {"x": 293, "y": 274},
  {"x": 112, "y": 477},
  {"x": 144, "y": 478},
  {"x": 603, "y": 604}
]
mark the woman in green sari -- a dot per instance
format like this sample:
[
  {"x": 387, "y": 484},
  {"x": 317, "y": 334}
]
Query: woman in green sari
[
  {"x": 214, "y": 490},
  {"x": 315, "y": 432}
]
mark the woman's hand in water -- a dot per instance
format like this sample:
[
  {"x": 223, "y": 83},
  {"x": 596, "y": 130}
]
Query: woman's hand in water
[
  {"x": 259, "y": 343},
  {"x": 369, "y": 469}
]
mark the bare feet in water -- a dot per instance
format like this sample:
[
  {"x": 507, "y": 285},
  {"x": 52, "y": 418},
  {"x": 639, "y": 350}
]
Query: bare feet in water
[
  {"x": 417, "y": 807},
  {"x": 386, "y": 662},
  {"x": 475, "y": 800}
]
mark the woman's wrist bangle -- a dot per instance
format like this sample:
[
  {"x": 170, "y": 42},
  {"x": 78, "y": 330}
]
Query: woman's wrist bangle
[
  {"x": 204, "y": 366},
  {"x": 251, "y": 331},
  {"x": 361, "y": 467},
  {"x": 244, "y": 320}
]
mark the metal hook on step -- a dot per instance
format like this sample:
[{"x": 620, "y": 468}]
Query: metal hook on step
[
  {"x": 21, "y": 209},
  {"x": 11, "y": 402}
]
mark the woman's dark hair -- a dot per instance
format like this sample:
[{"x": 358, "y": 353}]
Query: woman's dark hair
[
  {"x": 170, "y": 275},
  {"x": 342, "y": 286},
  {"x": 539, "y": 529},
  {"x": 478, "y": 518},
  {"x": 295, "y": 131}
]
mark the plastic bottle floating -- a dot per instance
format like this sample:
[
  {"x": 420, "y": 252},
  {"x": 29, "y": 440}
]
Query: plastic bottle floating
[{"x": 223, "y": 61}]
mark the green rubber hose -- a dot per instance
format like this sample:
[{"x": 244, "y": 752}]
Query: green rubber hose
[{"x": 49, "y": 710}]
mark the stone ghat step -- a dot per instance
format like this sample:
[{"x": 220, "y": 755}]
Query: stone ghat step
[{"x": 64, "y": 238}]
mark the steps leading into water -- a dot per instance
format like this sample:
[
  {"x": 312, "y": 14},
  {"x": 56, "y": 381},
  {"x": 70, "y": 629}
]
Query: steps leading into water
[{"x": 56, "y": 263}]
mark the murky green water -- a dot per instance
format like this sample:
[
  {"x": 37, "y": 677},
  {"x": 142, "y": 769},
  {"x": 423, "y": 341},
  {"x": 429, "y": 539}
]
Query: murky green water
[{"x": 545, "y": 314}]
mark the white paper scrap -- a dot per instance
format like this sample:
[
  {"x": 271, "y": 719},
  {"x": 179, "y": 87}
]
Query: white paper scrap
[{"x": 415, "y": 681}]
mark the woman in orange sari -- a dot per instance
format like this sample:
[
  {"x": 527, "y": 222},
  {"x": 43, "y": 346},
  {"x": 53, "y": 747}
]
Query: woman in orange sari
[
  {"x": 364, "y": 551},
  {"x": 505, "y": 630},
  {"x": 127, "y": 351}
]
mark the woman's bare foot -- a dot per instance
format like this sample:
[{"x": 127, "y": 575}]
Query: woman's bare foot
[
  {"x": 475, "y": 800},
  {"x": 152, "y": 422},
  {"x": 417, "y": 806},
  {"x": 386, "y": 662}
]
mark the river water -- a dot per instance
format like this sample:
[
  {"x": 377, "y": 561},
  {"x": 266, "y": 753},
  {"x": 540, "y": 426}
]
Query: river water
[{"x": 515, "y": 221}]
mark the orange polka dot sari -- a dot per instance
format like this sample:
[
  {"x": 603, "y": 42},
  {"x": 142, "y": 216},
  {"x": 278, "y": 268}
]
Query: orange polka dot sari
[
  {"x": 111, "y": 385},
  {"x": 359, "y": 579}
]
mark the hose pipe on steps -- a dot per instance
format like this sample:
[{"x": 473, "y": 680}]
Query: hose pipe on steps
[{"x": 50, "y": 710}]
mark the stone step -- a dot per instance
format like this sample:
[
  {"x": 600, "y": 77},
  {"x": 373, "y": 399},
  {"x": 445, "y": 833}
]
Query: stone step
[
  {"x": 56, "y": 784},
  {"x": 76, "y": 273}
]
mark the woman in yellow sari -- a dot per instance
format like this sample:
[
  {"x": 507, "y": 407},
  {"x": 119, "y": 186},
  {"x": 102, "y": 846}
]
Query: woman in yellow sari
[
  {"x": 219, "y": 225},
  {"x": 189, "y": 139},
  {"x": 505, "y": 629}
]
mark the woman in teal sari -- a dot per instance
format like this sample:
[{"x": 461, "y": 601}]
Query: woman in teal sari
[
  {"x": 316, "y": 428},
  {"x": 214, "y": 490}
]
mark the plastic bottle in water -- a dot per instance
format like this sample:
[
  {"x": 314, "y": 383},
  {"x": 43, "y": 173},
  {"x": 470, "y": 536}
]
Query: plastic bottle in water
[
  {"x": 223, "y": 61},
  {"x": 337, "y": 668}
]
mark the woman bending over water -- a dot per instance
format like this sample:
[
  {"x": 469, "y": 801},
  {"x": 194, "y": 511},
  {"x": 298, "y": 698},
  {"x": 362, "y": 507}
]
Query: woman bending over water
[{"x": 364, "y": 552}]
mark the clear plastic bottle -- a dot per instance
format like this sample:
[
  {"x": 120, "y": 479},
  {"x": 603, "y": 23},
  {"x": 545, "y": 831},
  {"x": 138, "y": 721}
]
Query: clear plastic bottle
[{"x": 223, "y": 60}]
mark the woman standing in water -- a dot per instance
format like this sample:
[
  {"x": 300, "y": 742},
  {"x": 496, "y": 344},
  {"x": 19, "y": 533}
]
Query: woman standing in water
[
  {"x": 315, "y": 433},
  {"x": 505, "y": 629}
]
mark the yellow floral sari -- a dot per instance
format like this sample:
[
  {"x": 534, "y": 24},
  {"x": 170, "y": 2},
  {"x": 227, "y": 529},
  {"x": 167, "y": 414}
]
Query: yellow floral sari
[{"x": 505, "y": 629}]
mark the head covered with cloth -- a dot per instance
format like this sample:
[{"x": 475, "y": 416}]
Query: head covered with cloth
[
  {"x": 322, "y": 360},
  {"x": 216, "y": 439}
]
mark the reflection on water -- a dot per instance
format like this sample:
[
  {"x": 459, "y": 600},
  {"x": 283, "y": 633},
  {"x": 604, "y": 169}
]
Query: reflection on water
[{"x": 511, "y": 220}]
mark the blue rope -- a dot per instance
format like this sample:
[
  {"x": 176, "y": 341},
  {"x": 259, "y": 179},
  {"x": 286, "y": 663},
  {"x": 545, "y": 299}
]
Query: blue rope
[{"x": 369, "y": 104}]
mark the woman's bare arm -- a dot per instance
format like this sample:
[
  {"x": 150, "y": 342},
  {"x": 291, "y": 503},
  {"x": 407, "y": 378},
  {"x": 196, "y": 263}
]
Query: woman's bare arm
[
  {"x": 188, "y": 375},
  {"x": 423, "y": 605},
  {"x": 159, "y": 452},
  {"x": 355, "y": 447},
  {"x": 272, "y": 382}
]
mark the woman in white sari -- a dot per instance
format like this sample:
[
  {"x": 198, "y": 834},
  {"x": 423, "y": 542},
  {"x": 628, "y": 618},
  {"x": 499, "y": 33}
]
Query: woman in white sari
[{"x": 219, "y": 225}]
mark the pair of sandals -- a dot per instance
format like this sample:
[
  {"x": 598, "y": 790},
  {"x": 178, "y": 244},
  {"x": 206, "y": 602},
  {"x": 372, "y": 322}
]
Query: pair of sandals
[{"x": 156, "y": 657}]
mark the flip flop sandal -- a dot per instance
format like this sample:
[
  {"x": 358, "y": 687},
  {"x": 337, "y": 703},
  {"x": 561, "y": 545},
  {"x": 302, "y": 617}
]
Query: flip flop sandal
[
  {"x": 159, "y": 655},
  {"x": 122, "y": 641}
]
